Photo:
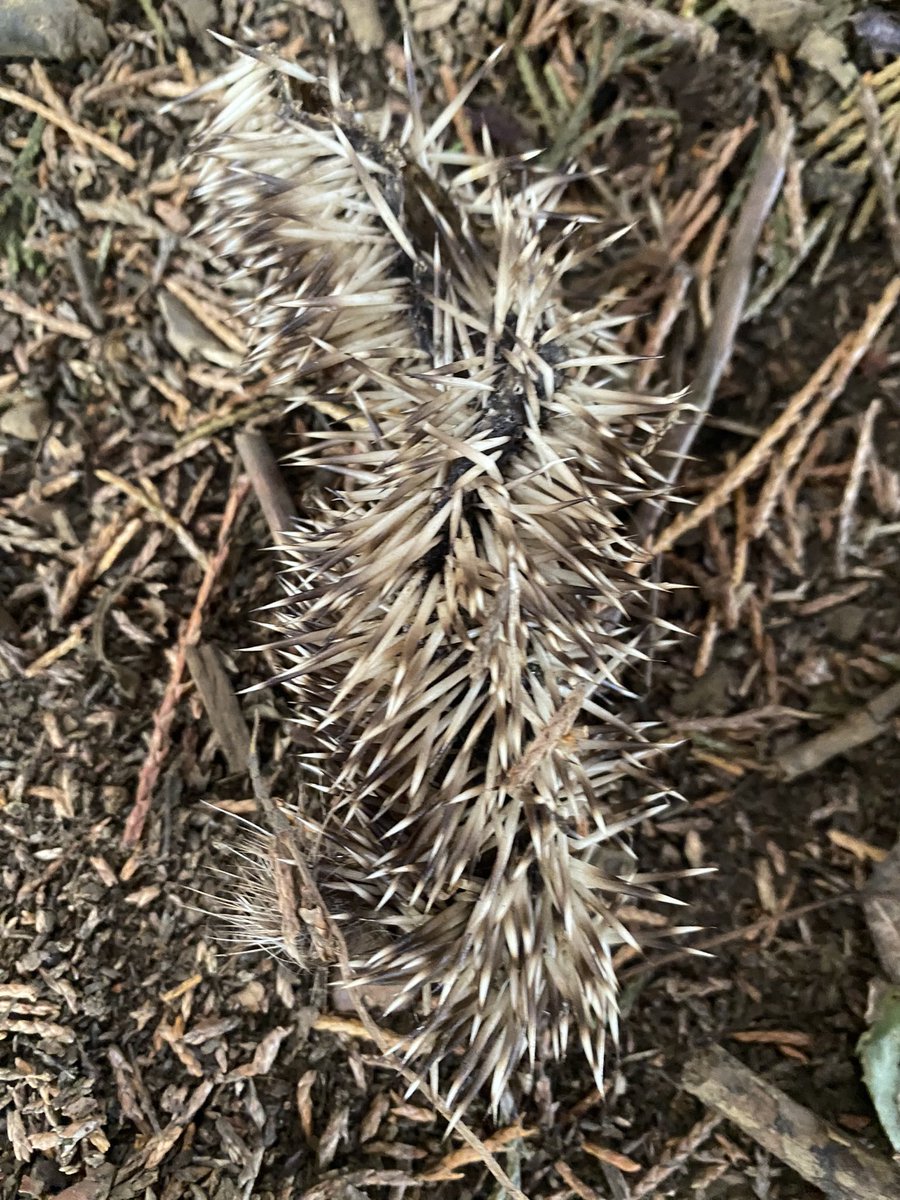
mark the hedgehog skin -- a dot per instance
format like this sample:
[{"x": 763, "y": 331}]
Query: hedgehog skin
[{"x": 463, "y": 593}]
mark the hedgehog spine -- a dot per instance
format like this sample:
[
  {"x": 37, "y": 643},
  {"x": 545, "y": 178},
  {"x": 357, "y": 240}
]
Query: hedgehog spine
[{"x": 463, "y": 586}]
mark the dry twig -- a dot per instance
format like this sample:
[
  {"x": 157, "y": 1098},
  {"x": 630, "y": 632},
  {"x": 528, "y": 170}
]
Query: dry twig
[
  {"x": 882, "y": 169},
  {"x": 675, "y": 446},
  {"x": 221, "y": 704},
  {"x": 448, "y": 1167},
  {"x": 659, "y": 23},
  {"x": 862, "y": 726},
  {"x": 267, "y": 482},
  {"x": 205, "y": 313},
  {"x": 75, "y": 131},
  {"x": 744, "y": 933},
  {"x": 861, "y": 459},
  {"x": 676, "y": 1158},
  {"x": 190, "y": 633},
  {"x": 149, "y": 501},
  {"x": 14, "y": 304},
  {"x": 94, "y": 559},
  {"x": 578, "y": 1186},
  {"x": 823, "y": 1155},
  {"x": 829, "y": 381}
]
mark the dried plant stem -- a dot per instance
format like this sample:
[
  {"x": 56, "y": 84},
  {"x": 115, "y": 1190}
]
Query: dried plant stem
[
  {"x": 685, "y": 210},
  {"x": 151, "y": 504},
  {"x": 764, "y": 190},
  {"x": 189, "y": 636},
  {"x": 460, "y": 120},
  {"x": 670, "y": 310},
  {"x": 267, "y": 483},
  {"x": 658, "y": 23},
  {"x": 780, "y": 469},
  {"x": 100, "y": 144},
  {"x": 364, "y": 23},
  {"x": 676, "y": 1158},
  {"x": 881, "y": 166},
  {"x": 49, "y": 657},
  {"x": 862, "y": 726},
  {"x": 94, "y": 558},
  {"x": 221, "y": 704},
  {"x": 823, "y": 1155},
  {"x": 13, "y": 304},
  {"x": 350, "y": 1183},
  {"x": 861, "y": 459},
  {"x": 744, "y": 933},
  {"x": 829, "y": 381},
  {"x": 735, "y": 283},
  {"x": 227, "y": 418},
  {"x": 447, "y": 1168},
  {"x": 577, "y": 1186},
  {"x": 204, "y": 313}
]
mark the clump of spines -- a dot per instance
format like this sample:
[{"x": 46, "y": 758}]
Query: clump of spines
[{"x": 463, "y": 593}]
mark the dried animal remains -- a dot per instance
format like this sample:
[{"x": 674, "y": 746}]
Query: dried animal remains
[{"x": 463, "y": 593}]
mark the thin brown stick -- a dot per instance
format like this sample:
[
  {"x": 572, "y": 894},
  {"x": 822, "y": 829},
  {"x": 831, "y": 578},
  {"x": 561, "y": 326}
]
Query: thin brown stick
[
  {"x": 147, "y": 498},
  {"x": 830, "y": 379},
  {"x": 660, "y": 24},
  {"x": 460, "y": 120},
  {"x": 753, "y": 719},
  {"x": 676, "y": 444},
  {"x": 53, "y": 99},
  {"x": 190, "y": 633},
  {"x": 350, "y": 1183},
  {"x": 820, "y": 1153},
  {"x": 676, "y": 1158},
  {"x": 93, "y": 558},
  {"x": 881, "y": 167},
  {"x": 221, "y": 704},
  {"x": 364, "y": 23},
  {"x": 571, "y": 1180},
  {"x": 448, "y": 1168},
  {"x": 776, "y": 483},
  {"x": 14, "y": 304},
  {"x": 267, "y": 482},
  {"x": 208, "y": 318},
  {"x": 861, "y": 459},
  {"x": 722, "y": 151},
  {"x": 862, "y": 726},
  {"x": 706, "y": 265},
  {"x": 49, "y": 657},
  {"x": 75, "y": 131},
  {"x": 670, "y": 310},
  {"x": 744, "y": 933}
]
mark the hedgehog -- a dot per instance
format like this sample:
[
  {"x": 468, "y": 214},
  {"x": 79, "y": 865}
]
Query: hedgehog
[{"x": 464, "y": 592}]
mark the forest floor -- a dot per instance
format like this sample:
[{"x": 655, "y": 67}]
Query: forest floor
[{"x": 139, "y": 1054}]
